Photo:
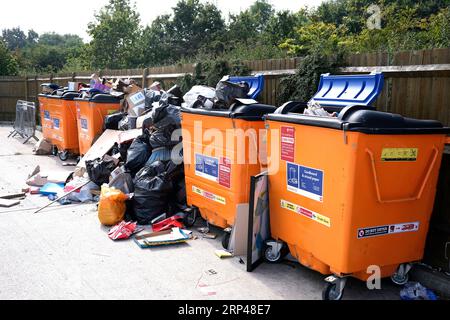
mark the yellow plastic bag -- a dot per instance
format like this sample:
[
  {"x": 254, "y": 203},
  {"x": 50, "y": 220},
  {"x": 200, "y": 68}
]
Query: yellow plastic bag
[{"x": 111, "y": 209}]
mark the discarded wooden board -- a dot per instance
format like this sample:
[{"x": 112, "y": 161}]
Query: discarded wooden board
[
  {"x": 105, "y": 143},
  {"x": 5, "y": 203},
  {"x": 101, "y": 147},
  {"x": 12, "y": 195}
]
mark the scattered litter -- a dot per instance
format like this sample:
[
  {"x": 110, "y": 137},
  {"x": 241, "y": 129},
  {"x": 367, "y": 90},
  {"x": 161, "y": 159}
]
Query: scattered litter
[
  {"x": 123, "y": 230},
  {"x": 43, "y": 147},
  {"x": 209, "y": 236},
  {"x": 52, "y": 189},
  {"x": 80, "y": 195},
  {"x": 12, "y": 195},
  {"x": 222, "y": 254},
  {"x": 167, "y": 237},
  {"x": 211, "y": 272},
  {"x": 6, "y": 203},
  {"x": 172, "y": 222},
  {"x": 416, "y": 291}
]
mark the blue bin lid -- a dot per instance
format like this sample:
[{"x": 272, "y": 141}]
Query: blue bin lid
[
  {"x": 256, "y": 84},
  {"x": 343, "y": 91}
]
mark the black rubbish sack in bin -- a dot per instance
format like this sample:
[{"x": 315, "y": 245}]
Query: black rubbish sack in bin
[
  {"x": 151, "y": 192},
  {"x": 112, "y": 121},
  {"x": 138, "y": 154},
  {"x": 227, "y": 92},
  {"x": 165, "y": 120},
  {"x": 99, "y": 170}
]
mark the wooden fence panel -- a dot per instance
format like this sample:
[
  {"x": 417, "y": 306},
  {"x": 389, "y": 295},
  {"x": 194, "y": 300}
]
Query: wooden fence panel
[{"x": 423, "y": 95}]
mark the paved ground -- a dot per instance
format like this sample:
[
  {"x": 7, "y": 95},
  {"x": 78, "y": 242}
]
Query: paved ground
[{"x": 64, "y": 253}]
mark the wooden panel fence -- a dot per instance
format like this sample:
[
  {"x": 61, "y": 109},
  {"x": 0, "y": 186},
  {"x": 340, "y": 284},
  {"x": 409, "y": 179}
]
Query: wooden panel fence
[{"x": 417, "y": 82}]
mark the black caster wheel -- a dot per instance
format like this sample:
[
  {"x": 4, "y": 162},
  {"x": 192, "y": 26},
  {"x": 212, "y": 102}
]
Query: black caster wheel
[
  {"x": 226, "y": 240},
  {"x": 63, "y": 156},
  {"x": 189, "y": 218},
  {"x": 400, "y": 280},
  {"x": 55, "y": 151},
  {"x": 273, "y": 256},
  {"x": 331, "y": 292}
]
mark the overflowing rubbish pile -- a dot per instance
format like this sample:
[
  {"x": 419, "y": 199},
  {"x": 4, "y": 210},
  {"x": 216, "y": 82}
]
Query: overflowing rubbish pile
[{"x": 134, "y": 170}]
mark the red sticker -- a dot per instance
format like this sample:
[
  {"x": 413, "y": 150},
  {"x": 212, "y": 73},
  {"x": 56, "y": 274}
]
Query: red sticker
[
  {"x": 225, "y": 172},
  {"x": 287, "y": 143}
]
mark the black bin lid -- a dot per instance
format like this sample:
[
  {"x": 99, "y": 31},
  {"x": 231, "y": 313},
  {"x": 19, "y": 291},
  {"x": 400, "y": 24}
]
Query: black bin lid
[
  {"x": 249, "y": 112},
  {"x": 365, "y": 120},
  {"x": 104, "y": 98},
  {"x": 70, "y": 95}
]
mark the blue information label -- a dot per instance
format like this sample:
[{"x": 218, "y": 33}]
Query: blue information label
[
  {"x": 47, "y": 115},
  {"x": 84, "y": 124},
  {"x": 207, "y": 167},
  {"x": 305, "y": 181},
  {"x": 55, "y": 123}
]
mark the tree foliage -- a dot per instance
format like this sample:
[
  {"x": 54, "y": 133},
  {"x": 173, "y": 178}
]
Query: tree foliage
[
  {"x": 8, "y": 65},
  {"x": 115, "y": 33}
]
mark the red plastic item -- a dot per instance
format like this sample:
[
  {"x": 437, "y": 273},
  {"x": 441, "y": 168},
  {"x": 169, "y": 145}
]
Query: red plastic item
[
  {"x": 169, "y": 223},
  {"x": 123, "y": 230}
]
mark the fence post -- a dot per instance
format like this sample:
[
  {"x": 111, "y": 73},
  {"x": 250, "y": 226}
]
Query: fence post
[
  {"x": 74, "y": 75},
  {"x": 26, "y": 87},
  {"x": 144, "y": 77}
]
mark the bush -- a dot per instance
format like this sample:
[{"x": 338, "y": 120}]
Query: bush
[
  {"x": 304, "y": 83},
  {"x": 210, "y": 72}
]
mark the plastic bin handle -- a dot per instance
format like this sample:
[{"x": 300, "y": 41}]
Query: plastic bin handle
[{"x": 422, "y": 187}]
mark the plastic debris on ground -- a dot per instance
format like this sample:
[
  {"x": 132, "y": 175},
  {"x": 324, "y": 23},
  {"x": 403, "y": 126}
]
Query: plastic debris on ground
[
  {"x": 52, "y": 189},
  {"x": 123, "y": 230},
  {"x": 222, "y": 254},
  {"x": 169, "y": 223},
  {"x": 82, "y": 195},
  {"x": 416, "y": 291}
]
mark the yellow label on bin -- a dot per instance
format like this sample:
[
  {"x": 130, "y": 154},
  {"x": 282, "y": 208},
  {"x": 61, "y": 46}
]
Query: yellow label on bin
[
  {"x": 317, "y": 217},
  {"x": 399, "y": 154},
  {"x": 209, "y": 195}
]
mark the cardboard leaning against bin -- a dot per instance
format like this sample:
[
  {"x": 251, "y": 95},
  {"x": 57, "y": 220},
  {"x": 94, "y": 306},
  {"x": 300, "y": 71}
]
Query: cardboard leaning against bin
[{"x": 351, "y": 191}]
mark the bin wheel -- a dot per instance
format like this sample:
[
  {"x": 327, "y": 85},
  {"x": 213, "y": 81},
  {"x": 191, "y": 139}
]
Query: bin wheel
[
  {"x": 271, "y": 255},
  {"x": 189, "y": 218},
  {"x": 63, "y": 156},
  {"x": 226, "y": 240},
  {"x": 331, "y": 292},
  {"x": 399, "y": 279},
  {"x": 55, "y": 151}
]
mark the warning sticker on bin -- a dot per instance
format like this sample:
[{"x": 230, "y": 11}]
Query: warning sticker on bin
[
  {"x": 47, "y": 115},
  {"x": 209, "y": 195},
  {"x": 214, "y": 169},
  {"x": 287, "y": 143},
  {"x": 388, "y": 229},
  {"x": 317, "y": 217},
  {"x": 399, "y": 154},
  {"x": 305, "y": 181}
]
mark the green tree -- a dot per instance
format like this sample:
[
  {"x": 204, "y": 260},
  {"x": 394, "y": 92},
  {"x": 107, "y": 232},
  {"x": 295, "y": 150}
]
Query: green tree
[
  {"x": 115, "y": 34},
  {"x": 14, "y": 38},
  {"x": 8, "y": 65}
]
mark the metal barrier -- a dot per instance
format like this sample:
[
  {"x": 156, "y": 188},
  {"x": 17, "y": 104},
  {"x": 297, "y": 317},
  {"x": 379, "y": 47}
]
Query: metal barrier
[{"x": 25, "y": 123}]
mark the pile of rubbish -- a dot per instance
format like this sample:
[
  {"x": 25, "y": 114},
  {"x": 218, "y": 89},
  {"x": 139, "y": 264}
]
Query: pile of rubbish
[{"x": 135, "y": 169}]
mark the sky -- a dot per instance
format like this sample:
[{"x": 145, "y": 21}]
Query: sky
[{"x": 73, "y": 16}]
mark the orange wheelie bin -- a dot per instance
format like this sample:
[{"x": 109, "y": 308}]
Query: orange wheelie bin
[
  {"x": 218, "y": 171},
  {"x": 46, "y": 120},
  {"x": 63, "y": 114},
  {"x": 351, "y": 195},
  {"x": 91, "y": 113}
]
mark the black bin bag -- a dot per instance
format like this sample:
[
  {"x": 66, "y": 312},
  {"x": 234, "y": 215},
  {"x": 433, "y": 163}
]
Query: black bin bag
[
  {"x": 138, "y": 154},
  {"x": 99, "y": 170}
]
